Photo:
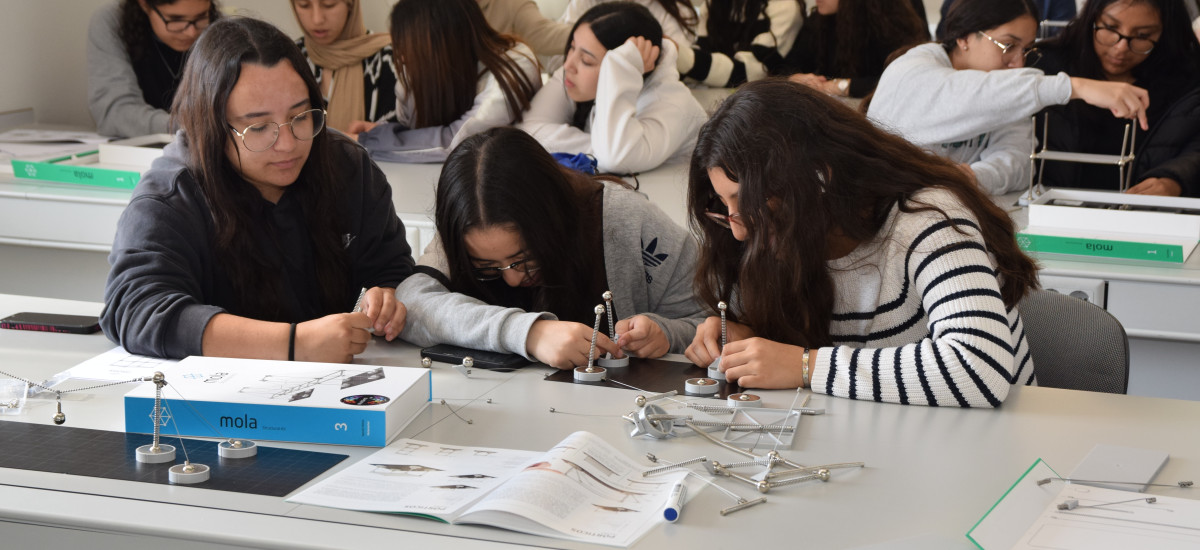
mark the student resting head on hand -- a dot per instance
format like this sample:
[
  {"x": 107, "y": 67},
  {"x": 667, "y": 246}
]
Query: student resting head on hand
[
  {"x": 135, "y": 56},
  {"x": 527, "y": 249},
  {"x": 855, "y": 264},
  {"x": 254, "y": 233}
]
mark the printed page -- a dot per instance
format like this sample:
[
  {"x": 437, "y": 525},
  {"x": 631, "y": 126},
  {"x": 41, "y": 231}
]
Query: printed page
[
  {"x": 418, "y": 477},
  {"x": 1125, "y": 521},
  {"x": 583, "y": 489},
  {"x": 116, "y": 365}
]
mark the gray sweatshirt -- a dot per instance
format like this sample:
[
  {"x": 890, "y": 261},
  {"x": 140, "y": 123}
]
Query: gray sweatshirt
[
  {"x": 649, "y": 261},
  {"x": 114, "y": 97},
  {"x": 981, "y": 118}
]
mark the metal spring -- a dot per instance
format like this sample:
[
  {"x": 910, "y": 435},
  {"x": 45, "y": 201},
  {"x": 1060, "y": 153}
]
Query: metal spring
[
  {"x": 837, "y": 466},
  {"x": 765, "y": 486},
  {"x": 712, "y": 408},
  {"x": 676, "y": 465},
  {"x": 595, "y": 329},
  {"x": 741, "y": 427}
]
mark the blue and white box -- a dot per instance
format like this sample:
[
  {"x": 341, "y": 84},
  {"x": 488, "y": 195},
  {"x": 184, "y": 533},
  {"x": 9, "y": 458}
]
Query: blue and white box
[{"x": 282, "y": 401}]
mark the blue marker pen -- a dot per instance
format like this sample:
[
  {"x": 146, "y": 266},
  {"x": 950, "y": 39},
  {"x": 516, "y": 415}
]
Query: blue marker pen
[{"x": 675, "y": 502}]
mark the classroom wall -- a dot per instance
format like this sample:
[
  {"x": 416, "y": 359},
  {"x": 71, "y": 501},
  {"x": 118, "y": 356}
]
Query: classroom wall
[{"x": 43, "y": 45}]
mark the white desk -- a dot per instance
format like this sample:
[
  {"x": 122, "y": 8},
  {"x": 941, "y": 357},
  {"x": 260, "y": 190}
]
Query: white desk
[{"x": 932, "y": 472}]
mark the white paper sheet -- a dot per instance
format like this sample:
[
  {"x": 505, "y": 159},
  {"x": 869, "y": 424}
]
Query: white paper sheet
[
  {"x": 1170, "y": 523},
  {"x": 116, "y": 365}
]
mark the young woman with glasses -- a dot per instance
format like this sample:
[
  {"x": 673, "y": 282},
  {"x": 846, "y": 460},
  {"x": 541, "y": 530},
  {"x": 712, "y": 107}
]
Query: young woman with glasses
[
  {"x": 528, "y": 249},
  {"x": 354, "y": 68},
  {"x": 970, "y": 98},
  {"x": 1147, "y": 43},
  {"x": 617, "y": 96},
  {"x": 135, "y": 56},
  {"x": 855, "y": 264},
  {"x": 458, "y": 77},
  {"x": 256, "y": 232}
]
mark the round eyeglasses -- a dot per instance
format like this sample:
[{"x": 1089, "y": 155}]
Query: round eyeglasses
[
  {"x": 1031, "y": 54},
  {"x": 1109, "y": 36},
  {"x": 180, "y": 25},
  {"x": 716, "y": 211},
  {"x": 492, "y": 273},
  {"x": 263, "y": 135}
]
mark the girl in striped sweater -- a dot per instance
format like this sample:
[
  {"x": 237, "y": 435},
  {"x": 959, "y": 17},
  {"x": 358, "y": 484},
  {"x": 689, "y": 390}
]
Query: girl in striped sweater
[{"x": 858, "y": 265}]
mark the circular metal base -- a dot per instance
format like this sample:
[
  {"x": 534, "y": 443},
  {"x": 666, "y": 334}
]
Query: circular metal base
[
  {"x": 714, "y": 370},
  {"x": 658, "y": 429},
  {"x": 188, "y": 473},
  {"x": 237, "y": 448},
  {"x": 743, "y": 400},
  {"x": 165, "y": 453},
  {"x": 592, "y": 374},
  {"x": 613, "y": 362},
  {"x": 702, "y": 386}
]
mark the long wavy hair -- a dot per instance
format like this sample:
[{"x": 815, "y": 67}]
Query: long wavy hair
[
  {"x": 504, "y": 178},
  {"x": 613, "y": 23},
  {"x": 967, "y": 17},
  {"x": 134, "y": 27},
  {"x": 440, "y": 45},
  {"x": 809, "y": 168},
  {"x": 200, "y": 110},
  {"x": 683, "y": 12},
  {"x": 1176, "y": 51},
  {"x": 862, "y": 23},
  {"x": 733, "y": 24}
]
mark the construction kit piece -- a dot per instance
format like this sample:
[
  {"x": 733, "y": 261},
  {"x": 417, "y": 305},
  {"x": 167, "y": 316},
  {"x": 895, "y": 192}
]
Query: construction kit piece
[
  {"x": 608, "y": 361},
  {"x": 592, "y": 373},
  {"x": 714, "y": 368}
]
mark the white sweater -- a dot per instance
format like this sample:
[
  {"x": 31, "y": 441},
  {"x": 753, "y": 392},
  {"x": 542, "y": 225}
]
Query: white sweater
[
  {"x": 636, "y": 124},
  {"x": 397, "y": 142},
  {"x": 918, "y": 317},
  {"x": 981, "y": 118},
  {"x": 670, "y": 27}
]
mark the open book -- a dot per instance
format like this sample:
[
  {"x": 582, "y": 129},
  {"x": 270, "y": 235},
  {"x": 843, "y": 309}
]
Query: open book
[{"x": 582, "y": 489}]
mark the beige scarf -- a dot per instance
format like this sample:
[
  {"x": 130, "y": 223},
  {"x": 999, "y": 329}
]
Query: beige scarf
[{"x": 342, "y": 62}]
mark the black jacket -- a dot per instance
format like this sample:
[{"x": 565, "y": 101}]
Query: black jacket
[{"x": 166, "y": 283}]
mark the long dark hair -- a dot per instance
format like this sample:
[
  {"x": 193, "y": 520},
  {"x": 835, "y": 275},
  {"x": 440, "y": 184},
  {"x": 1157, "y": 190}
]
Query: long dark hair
[
  {"x": 134, "y": 27},
  {"x": 613, "y": 23},
  {"x": 810, "y": 167},
  {"x": 212, "y": 71},
  {"x": 967, "y": 17},
  {"x": 863, "y": 23},
  {"x": 504, "y": 178},
  {"x": 1176, "y": 50},
  {"x": 733, "y": 24},
  {"x": 441, "y": 43},
  {"x": 683, "y": 12}
]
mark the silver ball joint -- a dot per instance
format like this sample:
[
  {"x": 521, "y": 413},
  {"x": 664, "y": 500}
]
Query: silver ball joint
[
  {"x": 722, "y": 306},
  {"x": 599, "y": 309},
  {"x": 468, "y": 362},
  {"x": 607, "y": 295},
  {"x": 426, "y": 362},
  {"x": 640, "y": 401}
]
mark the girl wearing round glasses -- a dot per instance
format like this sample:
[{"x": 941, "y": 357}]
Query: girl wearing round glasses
[
  {"x": 1147, "y": 43},
  {"x": 353, "y": 67},
  {"x": 970, "y": 99},
  {"x": 856, "y": 264},
  {"x": 256, "y": 231},
  {"x": 135, "y": 56},
  {"x": 617, "y": 95},
  {"x": 458, "y": 77},
  {"x": 529, "y": 249}
]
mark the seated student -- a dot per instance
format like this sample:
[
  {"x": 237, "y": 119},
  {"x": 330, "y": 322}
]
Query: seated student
[
  {"x": 135, "y": 56},
  {"x": 861, "y": 267},
  {"x": 255, "y": 232},
  {"x": 353, "y": 68},
  {"x": 741, "y": 40},
  {"x": 678, "y": 18},
  {"x": 969, "y": 99},
  {"x": 1047, "y": 10},
  {"x": 458, "y": 78},
  {"x": 617, "y": 95},
  {"x": 1146, "y": 43},
  {"x": 530, "y": 247},
  {"x": 524, "y": 20},
  {"x": 844, "y": 44}
]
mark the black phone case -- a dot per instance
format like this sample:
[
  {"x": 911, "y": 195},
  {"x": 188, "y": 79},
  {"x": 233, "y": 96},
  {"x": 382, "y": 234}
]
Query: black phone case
[
  {"x": 16, "y": 324},
  {"x": 454, "y": 355}
]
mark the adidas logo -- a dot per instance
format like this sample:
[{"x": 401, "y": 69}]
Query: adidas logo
[{"x": 649, "y": 258}]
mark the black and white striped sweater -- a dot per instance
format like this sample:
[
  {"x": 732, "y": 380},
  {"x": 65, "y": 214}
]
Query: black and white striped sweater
[
  {"x": 776, "y": 30},
  {"x": 918, "y": 317}
]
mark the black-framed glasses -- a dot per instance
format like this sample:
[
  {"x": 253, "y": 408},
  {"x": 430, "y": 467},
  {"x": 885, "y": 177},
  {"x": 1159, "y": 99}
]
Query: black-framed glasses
[
  {"x": 1109, "y": 36},
  {"x": 180, "y": 25},
  {"x": 718, "y": 213},
  {"x": 261, "y": 136},
  {"x": 1031, "y": 54},
  {"x": 492, "y": 273}
]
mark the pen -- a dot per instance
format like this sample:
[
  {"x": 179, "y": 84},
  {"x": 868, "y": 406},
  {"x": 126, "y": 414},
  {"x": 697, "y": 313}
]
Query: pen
[{"x": 675, "y": 502}]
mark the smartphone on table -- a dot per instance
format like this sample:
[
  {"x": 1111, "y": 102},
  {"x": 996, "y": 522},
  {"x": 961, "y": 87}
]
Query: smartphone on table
[
  {"x": 490, "y": 360},
  {"x": 52, "y": 322}
]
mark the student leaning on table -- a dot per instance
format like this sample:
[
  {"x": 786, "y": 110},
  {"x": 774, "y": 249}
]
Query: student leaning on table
[
  {"x": 242, "y": 241},
  {"x": 859, "y": 265},
  {"x": 970, "y": 98},
  {"x": 458, "y": 77},
  {"x": 617, "y": 96},
  {"x": 529, "y": 249},
  {"x": 135, "y": 56}
]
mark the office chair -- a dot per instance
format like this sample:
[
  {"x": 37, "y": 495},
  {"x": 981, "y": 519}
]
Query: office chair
[{"x": 1075, "y": 344}]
